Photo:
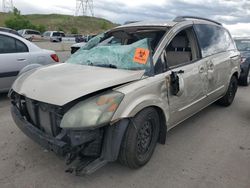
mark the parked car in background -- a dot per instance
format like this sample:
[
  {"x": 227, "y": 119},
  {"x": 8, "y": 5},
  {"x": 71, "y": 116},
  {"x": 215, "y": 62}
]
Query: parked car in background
[
  {"x": 83, "y": 40},
  {"x": 31, "y": 35},
  {"x": 77, "y": 46},
  {"x": 118, "y": 96},
  {"x": 8, "y": 30},
  {"x": 88, "y": 37},
  {"x": 15, "y": 54},
  {"x": 53, "y": 36},
  {"x": 243, "y": 45}
]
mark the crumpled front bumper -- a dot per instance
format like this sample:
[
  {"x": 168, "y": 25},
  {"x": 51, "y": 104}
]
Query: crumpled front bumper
[
  {"x": 78, "y": 143},
  {"x": 50, "y": 143}
]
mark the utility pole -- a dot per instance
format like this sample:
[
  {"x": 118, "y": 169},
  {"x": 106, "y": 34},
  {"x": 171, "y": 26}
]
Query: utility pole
[
  {"x": 7, "y": 5},
  {"x": 84, "y": 7}
]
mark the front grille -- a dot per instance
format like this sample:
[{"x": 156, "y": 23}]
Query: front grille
[{"x": 45, "y": 117}]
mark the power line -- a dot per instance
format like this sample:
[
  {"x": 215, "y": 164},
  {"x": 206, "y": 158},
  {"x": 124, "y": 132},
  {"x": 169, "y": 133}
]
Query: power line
[
  {"x": 84, "y": 7},
  {"x": 7, "y": 5}
]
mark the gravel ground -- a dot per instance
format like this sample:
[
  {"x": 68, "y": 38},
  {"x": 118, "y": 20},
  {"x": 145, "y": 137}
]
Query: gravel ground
[{"x": 211, "y": 149}]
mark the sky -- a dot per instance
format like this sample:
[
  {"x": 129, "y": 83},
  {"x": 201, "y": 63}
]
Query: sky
[{"x": 234, "y": 14}]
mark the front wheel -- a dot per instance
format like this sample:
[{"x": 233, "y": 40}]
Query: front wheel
[
  {"x": 230, "y": 94},
  {"x": 140, "y": 139}
]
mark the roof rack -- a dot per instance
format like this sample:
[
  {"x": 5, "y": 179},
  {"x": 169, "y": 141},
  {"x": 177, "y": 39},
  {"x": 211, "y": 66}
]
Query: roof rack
[
  {"x": 129, "y": 22},
  {"x": 183, "y": 18}
]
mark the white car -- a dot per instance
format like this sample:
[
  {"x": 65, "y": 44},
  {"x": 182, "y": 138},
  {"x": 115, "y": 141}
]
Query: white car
[
  {"x": 17, "y": 53},
  {"x": 31, "y": 35}
]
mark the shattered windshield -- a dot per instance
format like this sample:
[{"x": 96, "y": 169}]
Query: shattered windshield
[{"x": 119, "y": 50}]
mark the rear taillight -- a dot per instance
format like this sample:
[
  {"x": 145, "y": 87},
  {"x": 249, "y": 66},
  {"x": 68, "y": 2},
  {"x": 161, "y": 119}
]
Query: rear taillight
[
  {"x": 55, "y": 57},
  {"x": 243, "y": 59}
]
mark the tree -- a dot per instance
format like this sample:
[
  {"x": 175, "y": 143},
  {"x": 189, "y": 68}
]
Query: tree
[
  {"x": 16, "y": 12},
  {"x": 41, "y": 28},
  {"x": 17, "y": 21}
]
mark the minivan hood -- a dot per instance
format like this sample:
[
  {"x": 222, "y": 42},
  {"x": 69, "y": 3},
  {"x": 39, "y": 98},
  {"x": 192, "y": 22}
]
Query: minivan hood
[{"x": 62, "y": 83}]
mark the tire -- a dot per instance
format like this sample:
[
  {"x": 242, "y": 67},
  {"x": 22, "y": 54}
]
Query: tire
[
  {"x": 245, "y": 81},
  {"x": 230, "y": 94},
  {"x": 140, "y": 139}
]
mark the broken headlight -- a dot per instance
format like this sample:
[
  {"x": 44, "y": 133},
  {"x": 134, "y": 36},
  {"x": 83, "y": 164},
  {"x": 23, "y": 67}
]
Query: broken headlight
[{"x": 92, "y": 112}]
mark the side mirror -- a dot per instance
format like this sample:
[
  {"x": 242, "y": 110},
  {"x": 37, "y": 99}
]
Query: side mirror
[{"x": 176, "y": 83}]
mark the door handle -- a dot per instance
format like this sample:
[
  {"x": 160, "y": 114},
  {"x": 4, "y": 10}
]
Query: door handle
[
  {"x": 21, "y": 59},
  {"x": 236, "y": 57}
]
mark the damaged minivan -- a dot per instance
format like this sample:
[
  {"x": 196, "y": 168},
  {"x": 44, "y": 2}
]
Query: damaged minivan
[{"x": 118, "y": 95}]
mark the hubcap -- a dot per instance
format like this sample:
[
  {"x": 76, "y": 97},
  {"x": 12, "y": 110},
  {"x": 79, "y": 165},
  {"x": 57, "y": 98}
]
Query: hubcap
[{"x": 144, "y": 137}]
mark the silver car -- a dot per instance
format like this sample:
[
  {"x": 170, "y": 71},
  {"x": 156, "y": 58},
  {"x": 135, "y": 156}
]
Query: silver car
[
  {"x": 17, "y": 53},
  {"x": 117, "y": 96}
]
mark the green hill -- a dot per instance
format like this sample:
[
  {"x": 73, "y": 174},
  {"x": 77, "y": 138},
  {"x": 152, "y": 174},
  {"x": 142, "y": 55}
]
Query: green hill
[{"x": 84, "y": 24}]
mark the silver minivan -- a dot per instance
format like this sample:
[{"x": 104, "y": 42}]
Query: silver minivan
[
  {"x": 117, "y": 96},
  {"x": 53, "y": 36}
]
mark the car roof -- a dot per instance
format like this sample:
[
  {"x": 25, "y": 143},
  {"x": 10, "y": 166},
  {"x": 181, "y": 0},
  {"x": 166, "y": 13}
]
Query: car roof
[
  {"x": 152, "y": 23},
  {"x": 6, "y": 29},
  {"x": 169, "y": 23},
  {"x": 30, "y": 30}
]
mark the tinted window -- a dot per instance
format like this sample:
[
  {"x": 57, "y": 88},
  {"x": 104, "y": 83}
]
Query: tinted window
[
  {"x": 30, "y": 32},
  {"x": 11, "y": 45},
  {"x": 56, "y": 34},
  {"x": 213, "y": 39}
]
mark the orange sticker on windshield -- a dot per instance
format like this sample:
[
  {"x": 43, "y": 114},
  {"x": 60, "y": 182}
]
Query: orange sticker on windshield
[{"x": 141, "y": 55}]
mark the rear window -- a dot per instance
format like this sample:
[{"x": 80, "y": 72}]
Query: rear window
[{"x": 56, "y": 34}]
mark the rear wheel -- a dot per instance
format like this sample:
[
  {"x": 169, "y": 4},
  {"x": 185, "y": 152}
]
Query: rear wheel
[
  {"x": 140, "y": 139},
  {"x": 230, "y": 94}
]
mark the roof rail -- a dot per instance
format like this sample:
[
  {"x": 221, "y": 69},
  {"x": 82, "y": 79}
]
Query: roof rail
[
  {"x": 183, "y": 18},
  {"x": 129, "y": 22}
]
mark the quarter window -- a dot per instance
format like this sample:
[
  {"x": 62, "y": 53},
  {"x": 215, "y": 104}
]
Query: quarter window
[
  {"x": 11, "y": 45},
  {"x": 213, "y": 39}
]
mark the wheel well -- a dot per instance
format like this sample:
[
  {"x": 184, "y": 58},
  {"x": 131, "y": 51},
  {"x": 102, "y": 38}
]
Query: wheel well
[
  {"x": 236, "y": 74},
  {"x": 163, "y": 126}
]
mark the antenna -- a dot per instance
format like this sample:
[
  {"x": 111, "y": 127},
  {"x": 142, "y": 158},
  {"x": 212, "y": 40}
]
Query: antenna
[
  {"x": 7, "y": 5},
  {"x": 84, "y": 7}
]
